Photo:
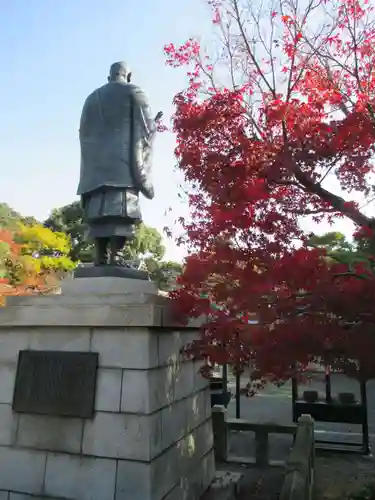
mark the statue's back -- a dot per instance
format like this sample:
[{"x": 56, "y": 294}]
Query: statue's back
[
  {"x": 106, "y": 137},
  {"x": 107, "y": 108}
]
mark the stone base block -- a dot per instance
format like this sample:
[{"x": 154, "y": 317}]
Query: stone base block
[
  {"x": 106, "y": 285},
  {"x": 91, "y": 271},
  {"x": 150, "y": 437},
  {"x": 182, "y": 472}
]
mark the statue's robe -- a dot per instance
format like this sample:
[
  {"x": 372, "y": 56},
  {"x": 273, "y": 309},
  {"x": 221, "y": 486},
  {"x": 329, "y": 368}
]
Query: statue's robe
[{"x": 116, "y": 137}]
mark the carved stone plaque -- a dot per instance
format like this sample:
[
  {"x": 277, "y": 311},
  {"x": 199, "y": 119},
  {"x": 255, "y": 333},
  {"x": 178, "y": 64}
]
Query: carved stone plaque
[{"x": 56, "y": 383}]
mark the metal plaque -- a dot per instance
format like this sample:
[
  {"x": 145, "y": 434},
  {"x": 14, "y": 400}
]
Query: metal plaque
[{"x": 56, "y": 383}]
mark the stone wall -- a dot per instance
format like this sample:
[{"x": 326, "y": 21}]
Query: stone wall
[{"x": 151, "y": 435}]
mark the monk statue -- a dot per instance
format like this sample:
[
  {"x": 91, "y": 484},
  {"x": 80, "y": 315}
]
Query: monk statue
[{"x": 116, "y": 137}]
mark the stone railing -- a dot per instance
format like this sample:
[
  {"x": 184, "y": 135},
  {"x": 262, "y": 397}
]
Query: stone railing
[
  {"x": 299, "y": 478},
  {"x": 222, "y": 425}
]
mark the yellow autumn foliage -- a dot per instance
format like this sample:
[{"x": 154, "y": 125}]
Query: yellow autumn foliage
[
  {"x": 43, "y": 250},
  {"x": 31, "y": 258},
  {"x": 37, "y": 238}
]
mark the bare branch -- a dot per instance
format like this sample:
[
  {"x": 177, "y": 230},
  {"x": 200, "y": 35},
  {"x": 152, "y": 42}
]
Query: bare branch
[
  {"x": 313, "y": 212},
  {"x": 248, "y": 48},
  {"x": 350, "y": 275}
]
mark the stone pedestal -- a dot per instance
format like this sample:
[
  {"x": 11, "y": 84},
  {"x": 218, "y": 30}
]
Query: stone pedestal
[{"x": 151, "y": 434}]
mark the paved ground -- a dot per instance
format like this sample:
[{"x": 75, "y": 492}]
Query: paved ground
[
  {"x": 339, "y": 476},
  {"x": 275, "y": 405}
]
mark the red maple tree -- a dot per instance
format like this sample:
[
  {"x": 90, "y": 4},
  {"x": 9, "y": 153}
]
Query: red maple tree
[{"x": 277, "y": 117}]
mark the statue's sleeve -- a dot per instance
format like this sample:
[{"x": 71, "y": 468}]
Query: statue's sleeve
[
  {"x": 144, "y": 133},
  {"x": 143, "y": 105}
]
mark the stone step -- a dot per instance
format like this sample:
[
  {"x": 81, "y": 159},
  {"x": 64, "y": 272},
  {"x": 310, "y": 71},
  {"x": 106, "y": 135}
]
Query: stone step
[{"x": 224, "y": 487}]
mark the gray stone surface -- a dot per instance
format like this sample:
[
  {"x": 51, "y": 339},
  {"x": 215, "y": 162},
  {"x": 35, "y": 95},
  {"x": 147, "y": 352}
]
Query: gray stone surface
[
  {"x": 153, "y": 415},
  {"x": 8, "y": 425},
  {"x": 107, "y": 285},
  {"x": 199, "y": 408},
  {"x": 338, "y": 476},
  {"x": 225, "y": 486},
  {"x": 55, "y": 338},
  {"x": 148, "y": 477},
  {"x": 10, "y": 345},
  {"x": 173, "y": 423},
  {"x": 50, "y": 433},
  {"x": 131, "y": 348},
  {"x": 85, "y": 315},
  {"x": 7, "y": 379},
  {"x": 183, "y": 380},
  {"x": 147, "y": 391},
  {"x": 180, "y": 480},
  {"x": 22, "y": 470},
  {"x": 91, "y": 271},
  {"x": 134, "y": 480},
  {"x": 21, "y": 496},
  {"x": 97, "y": 302},
  {"x": 194, "y": 483},
  {"x": 108, "y": 389},
  {"x": 80, "y": 478},
  {"x": 171, "y": 343},
  {"x": 119, "y": 435}
]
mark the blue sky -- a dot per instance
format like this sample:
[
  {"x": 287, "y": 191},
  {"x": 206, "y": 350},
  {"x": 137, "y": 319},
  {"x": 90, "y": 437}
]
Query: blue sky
[{"x": 53, "y": 54}]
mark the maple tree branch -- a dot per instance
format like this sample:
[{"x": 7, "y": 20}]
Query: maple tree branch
[
  {"x": 353, "y": 33},
  {"x": 324, "y": 56},
  {"x": 286, "y": 183},
  {"x": 226, "y": 40},
  {"x": 352, "y": 30},
  {"x": 350, "y": 274},
  {"x": 300, "y": 26},
  {"x": 331, "y": 166},
  {"x": 313, "y": 212},
  {"x": 268, "y": 49},
  {"x": 367, "y": 202},
  {"x": 293, "y": 58},
  {"x": 338, "y": 203},
  {"x": 343, "y": 107},
  {"x": 248, "y": 48},
  {"x": 271, "y": 53}
]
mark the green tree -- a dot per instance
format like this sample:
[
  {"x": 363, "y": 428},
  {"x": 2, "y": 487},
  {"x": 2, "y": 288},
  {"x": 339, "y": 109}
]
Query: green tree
[
  {"x": 339, "y": 249},
  {"x": 147, "y": 243},
  {"x": 164, "y": 273},
  {"x": 10, "y": 219},
  {"x": 69, "y": 220},
  {"x": 146, "y": 250}
]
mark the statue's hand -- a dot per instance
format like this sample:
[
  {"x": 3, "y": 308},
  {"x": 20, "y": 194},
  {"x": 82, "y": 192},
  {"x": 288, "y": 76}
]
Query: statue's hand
[{"x": 159, "y": 116}]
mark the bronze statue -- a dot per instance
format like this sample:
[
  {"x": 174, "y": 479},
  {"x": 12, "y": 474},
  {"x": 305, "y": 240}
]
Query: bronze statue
[{"x": 116, "y": 137}]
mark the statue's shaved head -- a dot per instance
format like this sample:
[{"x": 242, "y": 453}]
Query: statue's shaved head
[{"x": 118, "y": 72}]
